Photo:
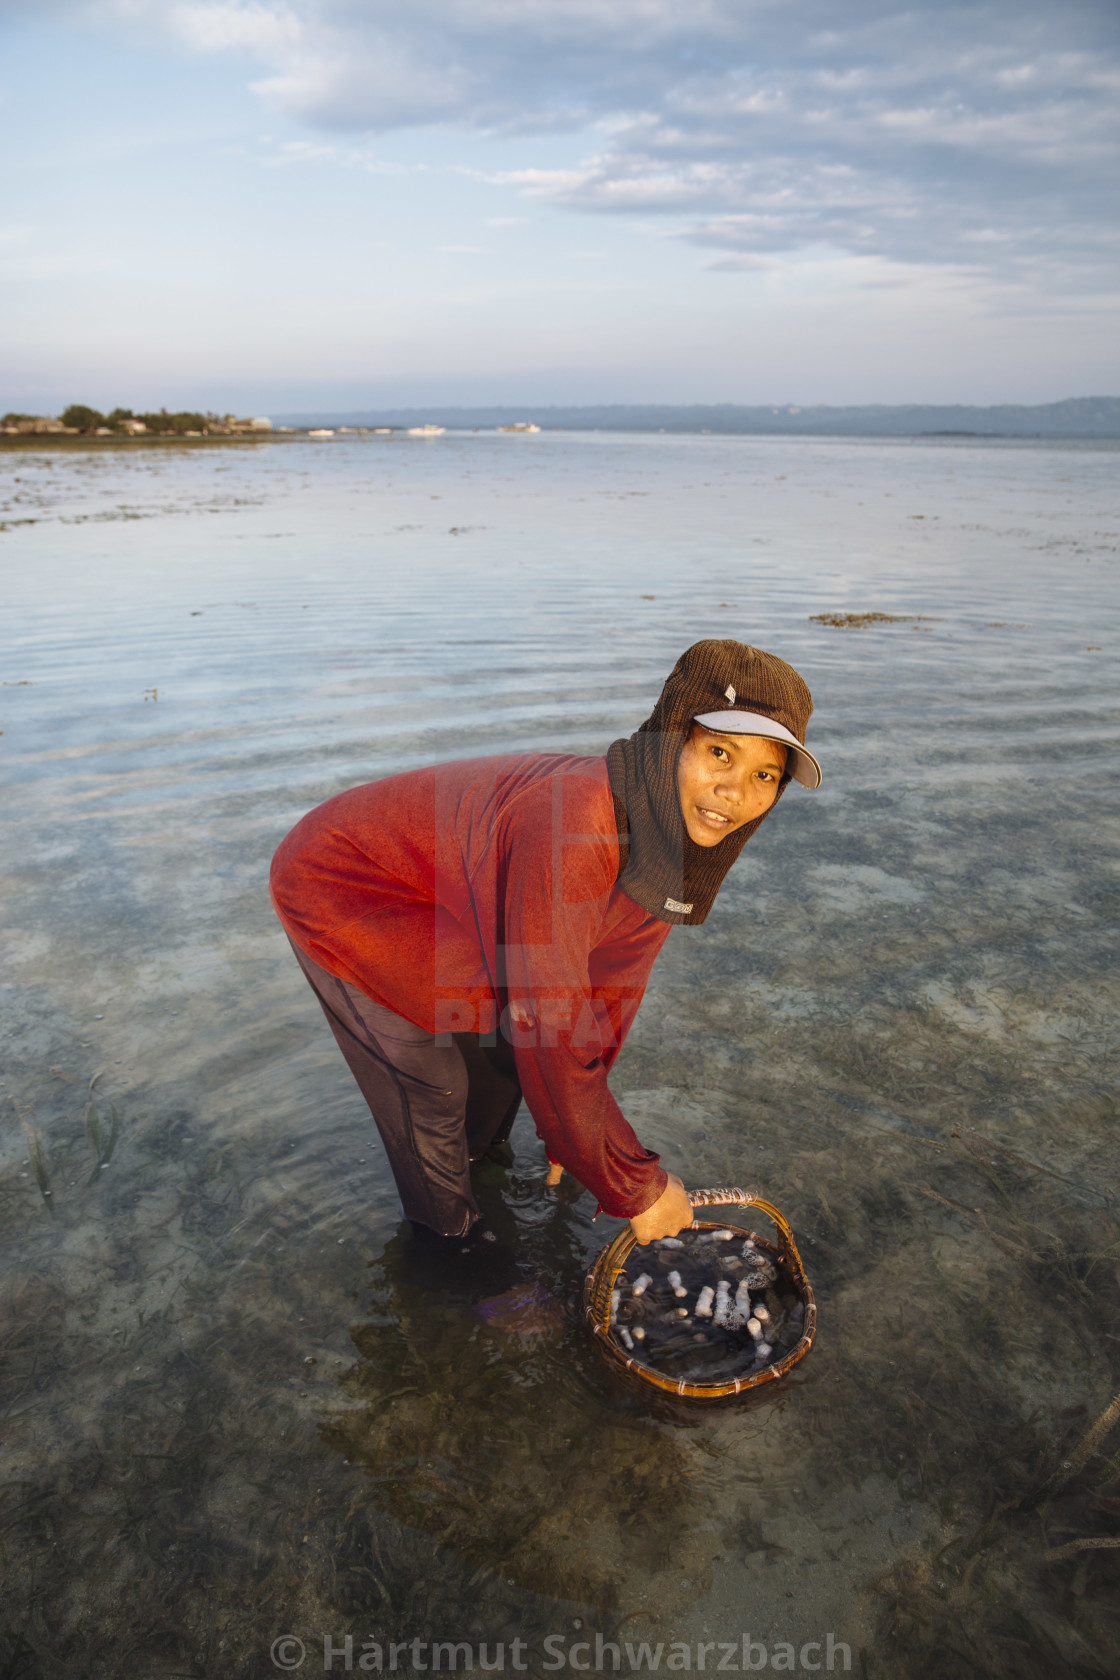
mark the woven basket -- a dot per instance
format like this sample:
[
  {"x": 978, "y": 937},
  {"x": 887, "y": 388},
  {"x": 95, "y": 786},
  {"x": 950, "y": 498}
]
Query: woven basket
[{"x": 609, "y": 1263}]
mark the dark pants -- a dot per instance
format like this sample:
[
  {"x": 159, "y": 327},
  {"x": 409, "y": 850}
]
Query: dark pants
[{"x": 438, "y": 1103}]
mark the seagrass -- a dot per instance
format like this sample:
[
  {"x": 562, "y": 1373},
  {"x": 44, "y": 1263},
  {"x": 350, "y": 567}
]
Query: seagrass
[{"x": 610, "y": 1261}]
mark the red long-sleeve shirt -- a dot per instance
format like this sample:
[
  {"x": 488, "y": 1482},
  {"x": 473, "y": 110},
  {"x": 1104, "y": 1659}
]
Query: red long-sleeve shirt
[{"x": 483, "y": 892}]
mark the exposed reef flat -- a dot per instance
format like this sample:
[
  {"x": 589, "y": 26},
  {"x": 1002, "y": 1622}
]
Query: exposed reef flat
[{"x": 60, "y": 440}]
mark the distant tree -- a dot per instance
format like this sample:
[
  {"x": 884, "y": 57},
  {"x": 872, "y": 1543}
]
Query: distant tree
[
  {"x": 175, "y": 424},
  {"x": 83, "y": 419}
]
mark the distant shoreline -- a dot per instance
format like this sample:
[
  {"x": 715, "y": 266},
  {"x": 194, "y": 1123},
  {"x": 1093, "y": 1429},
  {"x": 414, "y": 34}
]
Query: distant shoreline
[
  {"x": 1074, "y": 417},
  {"x": 30, "y": 442}
]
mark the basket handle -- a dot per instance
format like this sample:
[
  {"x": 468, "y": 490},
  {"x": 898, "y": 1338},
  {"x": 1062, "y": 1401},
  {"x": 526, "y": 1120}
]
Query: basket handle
[
  {"x": 711, "y": 1198},
  {"x": 747, "y": 1198}
]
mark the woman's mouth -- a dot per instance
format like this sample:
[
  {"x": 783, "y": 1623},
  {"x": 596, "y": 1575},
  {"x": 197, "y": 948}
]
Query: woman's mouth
[{"x": 715, "y": 819}]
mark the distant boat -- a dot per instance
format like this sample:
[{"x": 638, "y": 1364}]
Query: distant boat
[
  {"x": 521, "y": 426},
  {"x": 426, "y": 431},
  {"x": 321, "y": 431}
]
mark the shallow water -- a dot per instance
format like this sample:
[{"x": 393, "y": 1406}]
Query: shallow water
[{"x": 234, "y": 1408}]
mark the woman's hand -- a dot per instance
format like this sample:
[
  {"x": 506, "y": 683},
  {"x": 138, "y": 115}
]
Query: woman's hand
[{"x": 670, "y": 1213}]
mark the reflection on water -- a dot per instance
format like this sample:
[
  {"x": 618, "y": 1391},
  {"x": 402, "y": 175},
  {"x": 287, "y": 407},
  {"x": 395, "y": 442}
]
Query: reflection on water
[{"x": 235, "y": 1404}]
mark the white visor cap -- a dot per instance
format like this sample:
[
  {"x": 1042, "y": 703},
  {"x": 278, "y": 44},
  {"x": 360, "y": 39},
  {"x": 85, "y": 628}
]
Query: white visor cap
[{"x": 803, "y": 766}]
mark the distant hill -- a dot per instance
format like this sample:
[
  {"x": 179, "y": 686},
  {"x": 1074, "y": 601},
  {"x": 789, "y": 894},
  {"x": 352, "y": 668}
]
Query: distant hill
[{"x": 1077, "y": 417}]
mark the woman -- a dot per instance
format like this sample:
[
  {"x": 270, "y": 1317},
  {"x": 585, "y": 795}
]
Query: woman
[{"x": 484, "y": 930}]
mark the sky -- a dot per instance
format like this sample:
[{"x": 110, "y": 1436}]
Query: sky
[{"x": 308, "y": 204}]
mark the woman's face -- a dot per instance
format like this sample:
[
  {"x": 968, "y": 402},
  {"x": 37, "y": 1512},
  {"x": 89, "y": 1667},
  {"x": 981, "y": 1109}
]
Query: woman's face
[{"x": 725, "y": 781}]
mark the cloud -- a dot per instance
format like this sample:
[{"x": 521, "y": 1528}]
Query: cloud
[
  {"x": 744, "y": 265},
  {"x": 983, "y": 132}
]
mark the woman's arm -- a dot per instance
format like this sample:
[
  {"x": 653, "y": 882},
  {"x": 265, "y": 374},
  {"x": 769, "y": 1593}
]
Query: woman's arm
[{"x": 559, "y": 860}]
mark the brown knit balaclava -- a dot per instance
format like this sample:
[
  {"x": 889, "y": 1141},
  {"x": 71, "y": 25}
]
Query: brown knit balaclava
[{"x": 660, "y": 868}]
